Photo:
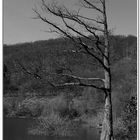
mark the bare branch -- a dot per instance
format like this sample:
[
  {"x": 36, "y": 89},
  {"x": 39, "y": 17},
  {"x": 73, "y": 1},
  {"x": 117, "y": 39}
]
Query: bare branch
[
  {"x": 65, "y": 33},
  {"x": 83, "y": 78},
  {"x": 91, "y": 6},
  {"x": 87, "y": 18},
  {"x": 54, "y": 31},
  {"x": 75, "y": 18},
  {"x": 59, "y": 12},
  {"x": 78, "y": 84},
  {"x": 101, "y": 1},
  {"x": 93, "y": 55},
  {"x": 80, "y": 50},
  {"x": 80, "y": 78}
]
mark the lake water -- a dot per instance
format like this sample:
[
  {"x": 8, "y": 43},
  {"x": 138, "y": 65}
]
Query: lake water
[{"x": 17, "y": 129}]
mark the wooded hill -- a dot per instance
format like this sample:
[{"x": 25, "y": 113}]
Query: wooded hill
[{"x": 27, "y": 69}]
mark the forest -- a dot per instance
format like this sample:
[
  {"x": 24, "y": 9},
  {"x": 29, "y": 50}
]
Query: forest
[{"x": 32, "y": 70}]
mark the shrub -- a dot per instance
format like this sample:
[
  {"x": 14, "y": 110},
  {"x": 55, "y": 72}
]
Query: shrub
[
  {"x": 130, "y": 117},
  {"x": 54, "y": 125},
  {"x": 126, "y": 126},
  {"x": 31, "y": 107},
  {"x": 120, "y": 130}
]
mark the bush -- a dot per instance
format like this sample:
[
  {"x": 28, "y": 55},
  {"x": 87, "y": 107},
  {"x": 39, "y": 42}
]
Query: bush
[
  {"x": 54, "y": 125},
  {"x": 126, "y": 126},
  {"x": 31, "y": 107},
  {"x": 120, "y": 130},
  {"x": 130, "y": 117}
]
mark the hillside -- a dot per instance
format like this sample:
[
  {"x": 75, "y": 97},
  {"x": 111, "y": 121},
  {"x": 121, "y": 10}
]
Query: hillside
[{"x": 27, "y": 69}]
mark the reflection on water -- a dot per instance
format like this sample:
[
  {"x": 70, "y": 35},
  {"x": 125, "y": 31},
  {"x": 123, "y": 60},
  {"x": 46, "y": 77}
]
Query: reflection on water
[{"x": 17, "y": 129}]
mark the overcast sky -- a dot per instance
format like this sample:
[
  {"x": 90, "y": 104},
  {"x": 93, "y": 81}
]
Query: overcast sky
[{"x": 20, "y": 27}]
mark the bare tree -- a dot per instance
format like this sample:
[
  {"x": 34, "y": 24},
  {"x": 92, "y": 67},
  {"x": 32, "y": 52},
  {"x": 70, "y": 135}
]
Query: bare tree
[{"x": 77, "y": 27}]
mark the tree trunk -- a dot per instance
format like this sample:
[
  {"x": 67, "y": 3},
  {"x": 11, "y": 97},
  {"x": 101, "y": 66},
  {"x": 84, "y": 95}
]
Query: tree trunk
[{"x": 107, "y": 125}]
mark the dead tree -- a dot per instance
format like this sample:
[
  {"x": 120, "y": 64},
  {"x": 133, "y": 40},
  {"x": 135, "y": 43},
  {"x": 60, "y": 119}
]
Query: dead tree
[{"x": 76, "y": 26}]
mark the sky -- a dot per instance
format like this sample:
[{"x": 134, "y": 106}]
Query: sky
[{"x": 19, "y": 25}]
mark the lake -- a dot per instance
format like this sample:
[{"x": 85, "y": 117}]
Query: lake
[{"x": 17, "y": 129}]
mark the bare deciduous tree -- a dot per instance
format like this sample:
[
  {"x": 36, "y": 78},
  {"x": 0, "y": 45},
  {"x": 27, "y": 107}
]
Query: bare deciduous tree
[{"x": 77, "y": 27}]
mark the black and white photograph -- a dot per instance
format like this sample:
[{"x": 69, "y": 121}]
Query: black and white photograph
[{"x": 70, "y": 69}]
